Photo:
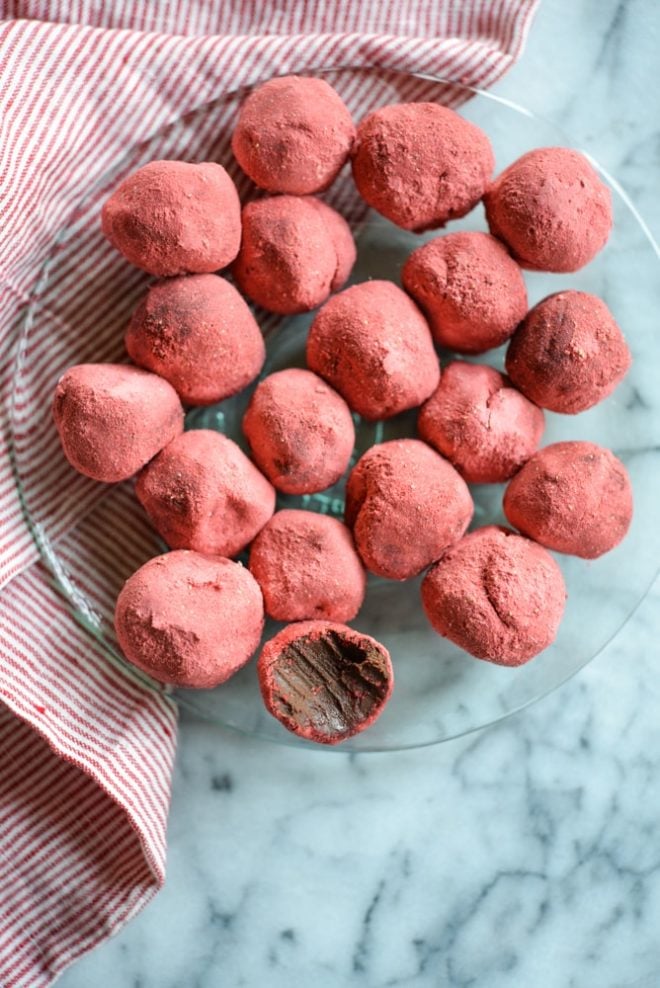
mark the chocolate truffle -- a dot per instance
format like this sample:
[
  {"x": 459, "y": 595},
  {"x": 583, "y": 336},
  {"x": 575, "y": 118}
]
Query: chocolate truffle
[
  {"x": 573, "y": 497},
  {"x": 551, "y": 210},
  {"x": 300, "y": 431},
  {"x": 481, "y": 424},
  {"x": 199, "y": 334},
  {"x": 113, "y": 419},
  {"x": 568, "y": 354},
  {"x": 188, "y": 619},
  {"x": 293, "y": 135},
  {"x": 373, "y": 345},
  {"x": 405, "y": 505},
  {"x": 420, "y": 164},
  {"x": 173, "y": 217},
  {"x": 201, "y": 492},
  {"x": 496, "y": 595},
  {"x": 471, "y": 290},
  {"x": 295, "y": 251},
  {"x": 307, "y": 567},
  {"x": 323, "y": 681}
]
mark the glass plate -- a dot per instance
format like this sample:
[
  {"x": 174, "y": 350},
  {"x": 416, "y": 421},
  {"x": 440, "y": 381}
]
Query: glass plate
[{"x": 440, "y": 691}]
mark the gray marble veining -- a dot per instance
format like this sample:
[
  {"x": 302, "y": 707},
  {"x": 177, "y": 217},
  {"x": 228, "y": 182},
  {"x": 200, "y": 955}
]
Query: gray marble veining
[{"x": 526, "y": 856}]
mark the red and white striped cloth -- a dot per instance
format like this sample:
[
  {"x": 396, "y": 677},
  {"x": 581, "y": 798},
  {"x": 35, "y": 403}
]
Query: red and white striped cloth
[{"x": 86, "y": 748}]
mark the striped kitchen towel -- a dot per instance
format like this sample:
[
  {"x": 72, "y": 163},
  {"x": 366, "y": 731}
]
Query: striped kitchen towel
[{"x": 86, "y": 748}]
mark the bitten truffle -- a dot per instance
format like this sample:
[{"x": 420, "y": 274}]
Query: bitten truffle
[
  {"x": 551, "y": 210},
  {"x": 573, "y": 497},
  {"x": 201, "y": 492},
  {"x": 188, "y": 619},
  {"x": 113, "y": 419},
  {"x": 295, "y": 251},
  {"x": 307, "y": 567},
  {"x": 300, "y": 431},
  {"x": 324, "y": 681},
  {"x": 569, "y": 353},
  {"x": 293, "y": 135},
  {"x": 496, "y": 595},
  {"x": 420, "y": 164},
  {"x": 405, "y": 505},
  {"x": 173, "y": 217},
  {"x": 481, "y": 424},
  {"x": 199, "y": 334},
  {"x": 374, "y": 346},
  {"x": 471, "y": 290}
]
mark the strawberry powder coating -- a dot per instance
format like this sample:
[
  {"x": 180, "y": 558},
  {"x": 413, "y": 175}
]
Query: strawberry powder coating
[
  {"x": 300, "y": 431},
  {"x": 112, "y": 419},
  {"x": 573, "y": 497},
  {"x": 173, "y": 217},
  {"x": 471, "y": 290},
  {"x": 485, "y": 427},
  {"x": 405, "y": 504},
  {"x": 568, "y": 354},
  {"x": 374, "y": 346},
  {"x": 551, "y": 210},
  {"x": 420, "y": 164},
  {"x": 293, "y": 135},
  {"x": 307, "y": 567},
  {"x": 189, "y": 619},
  {"x": 199, "y": 334},
  {"x": 203, "y": 493},
  {"x": 497, "y": 595}
]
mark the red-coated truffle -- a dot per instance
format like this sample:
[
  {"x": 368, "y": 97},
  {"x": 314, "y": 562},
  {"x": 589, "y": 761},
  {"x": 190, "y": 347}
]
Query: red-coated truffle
[
  {"x": 496, "y": 595},
  {"x": 201, "y": 492},
  {"x": 324, "y": 681},
  {"x": 569, "y": 353},
  {"x": 300, "y": 431},
  {"x": 113, "y": 419},
  {"x": 295, "y": 251},
  {"x": 481, "y": 424},
  {"x": 174, "y": 217},
  {"x": 188, "y": 619},
  {"x": 307, "y": 567},
  {"x": 573, "y": 497},
  {"x": 293, "y": 135},
  {"x": 420, "y": 164},
  {"x": 199, "y": 334},
  {"x": 551, "y": 210},
  {"x": 405, "y": 505},
  {"x": 471, "y": 290},
  {"x": 374, "y": 346}
]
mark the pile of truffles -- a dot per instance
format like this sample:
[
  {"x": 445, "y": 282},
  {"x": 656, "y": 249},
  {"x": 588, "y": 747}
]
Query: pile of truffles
[{"x": 194, "y": 616}]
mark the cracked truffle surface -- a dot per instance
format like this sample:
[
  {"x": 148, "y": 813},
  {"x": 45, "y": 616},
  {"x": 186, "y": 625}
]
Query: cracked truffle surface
[
  {"x": 295, "y": 252},
  {"x": 199, "y": 334},
  {"x": 293, "y": 135},
  {"x": 112, "y": 419},
  {"x": 374, "y": 346},
  {"x": 202, "y": 492},
  {"x": 307, "y": 567},
  {"x": 324, "y": 681},
  {"x": 568, "y": 354},
  {"x": 551, "y": 210},
  {"x": 189, "y": 619},
  {"x": 405, "y": 504},
  {"x": 485, "y": 427},
  {"x": 497, "y": 595},
  {"x": 573, "y": 497},
  {"x": 300, "y": 431},
  {"x": 472, "y": 291},
  {"x": 420, "y": 164},
  {"x": 174, "y": 217}
]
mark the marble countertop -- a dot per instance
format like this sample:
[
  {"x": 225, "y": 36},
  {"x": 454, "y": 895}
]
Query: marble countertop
[{"x": 525, "y": 855}]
